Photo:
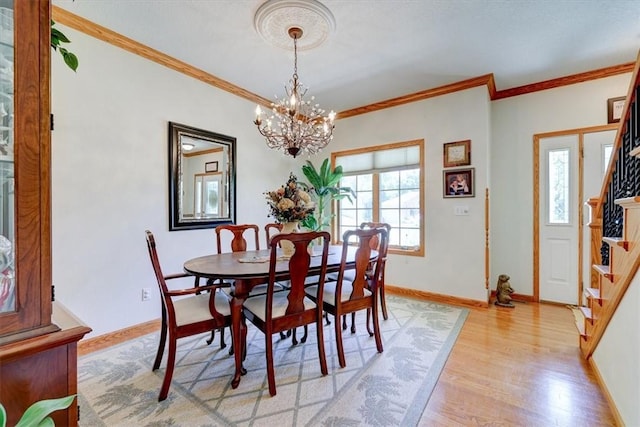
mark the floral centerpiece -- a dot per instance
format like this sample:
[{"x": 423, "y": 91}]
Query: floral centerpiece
[
  {"x": 289, "y": 205},
  {"x": 290, "y": 202}
]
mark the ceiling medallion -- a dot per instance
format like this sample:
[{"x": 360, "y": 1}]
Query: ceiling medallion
[{"x": 274, "y": 18}]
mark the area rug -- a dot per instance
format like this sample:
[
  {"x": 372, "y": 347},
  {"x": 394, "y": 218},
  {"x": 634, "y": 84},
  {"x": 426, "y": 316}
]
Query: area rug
[{"x": 117, "y": 387}]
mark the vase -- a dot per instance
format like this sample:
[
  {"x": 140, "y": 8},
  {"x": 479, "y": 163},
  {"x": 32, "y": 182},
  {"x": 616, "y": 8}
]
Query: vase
[{"x": 288, "y": 248}]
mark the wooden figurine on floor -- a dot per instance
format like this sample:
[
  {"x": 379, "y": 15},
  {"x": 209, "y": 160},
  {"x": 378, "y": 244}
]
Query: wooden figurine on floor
[{"x": 503, "y": 292}]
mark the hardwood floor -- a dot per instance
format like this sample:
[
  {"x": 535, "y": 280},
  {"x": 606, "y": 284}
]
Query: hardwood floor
[{"x": 518, "y": 367}]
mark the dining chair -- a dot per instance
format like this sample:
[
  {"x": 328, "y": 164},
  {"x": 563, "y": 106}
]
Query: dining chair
[
  {"x": 238, "y": 242},
  {"x": 185, "y": 312},
  {"x": 346, "y": 296},
  {"x": 270, "y": 230},
  {"x": 382, "y": 257},
  {"x": 276, "y": 312}
]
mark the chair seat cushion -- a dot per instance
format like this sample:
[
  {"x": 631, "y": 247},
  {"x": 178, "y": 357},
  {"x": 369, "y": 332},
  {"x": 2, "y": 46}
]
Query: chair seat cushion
[
  {"x": 330, "y": 291},
  {"x": 257, "y": 304},
  {"x": 196, "y": 308}
]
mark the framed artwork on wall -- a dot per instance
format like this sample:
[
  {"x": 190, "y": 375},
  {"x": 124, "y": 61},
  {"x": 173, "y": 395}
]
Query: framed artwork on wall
[
  {"x": 614, "y": 109},
  {"x": 457, "y": 154},
  {"x": 458, "y": 183},
  {"x": 211, "y": 167}
]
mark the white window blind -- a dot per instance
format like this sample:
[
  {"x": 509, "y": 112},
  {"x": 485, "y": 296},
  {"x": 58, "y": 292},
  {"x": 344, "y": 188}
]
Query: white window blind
[{"x": 380, "y": 160}]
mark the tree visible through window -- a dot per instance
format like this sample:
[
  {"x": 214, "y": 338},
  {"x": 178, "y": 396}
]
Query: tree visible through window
[{"x": 388, "y": 186}]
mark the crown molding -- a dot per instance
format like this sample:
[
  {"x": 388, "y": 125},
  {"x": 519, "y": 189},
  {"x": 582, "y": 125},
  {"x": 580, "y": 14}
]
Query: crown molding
[{"x": 102, "y": 33}]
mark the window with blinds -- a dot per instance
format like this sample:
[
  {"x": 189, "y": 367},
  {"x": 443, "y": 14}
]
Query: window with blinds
[{"x": 388, "y": 183}]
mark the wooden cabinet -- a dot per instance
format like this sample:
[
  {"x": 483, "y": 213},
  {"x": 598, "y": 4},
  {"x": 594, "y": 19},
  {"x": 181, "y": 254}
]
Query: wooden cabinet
[{"x": 37, "y": 353}]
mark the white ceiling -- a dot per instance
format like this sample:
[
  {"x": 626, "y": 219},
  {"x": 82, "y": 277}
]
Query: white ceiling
[{"x": 382, "y": 49}]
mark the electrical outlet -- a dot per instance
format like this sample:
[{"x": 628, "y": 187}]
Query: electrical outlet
[{"x": 146, "y": 294}]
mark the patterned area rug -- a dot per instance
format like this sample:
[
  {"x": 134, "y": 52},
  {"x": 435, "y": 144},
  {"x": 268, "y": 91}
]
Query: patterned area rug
[{"x": 117, "y": 387}]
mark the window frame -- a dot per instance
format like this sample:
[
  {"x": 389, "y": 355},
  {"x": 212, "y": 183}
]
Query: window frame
[{"x": 375, "y": 207}]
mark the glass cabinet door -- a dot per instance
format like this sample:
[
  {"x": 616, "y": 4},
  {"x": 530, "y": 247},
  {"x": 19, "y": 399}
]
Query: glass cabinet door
[
  {"x": 25, "y": 178},
  {"x": 7, "y": 201}
]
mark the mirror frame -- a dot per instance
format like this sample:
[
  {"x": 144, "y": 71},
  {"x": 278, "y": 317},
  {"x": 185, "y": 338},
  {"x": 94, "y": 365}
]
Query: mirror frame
[{"x": 176, "y": 179}]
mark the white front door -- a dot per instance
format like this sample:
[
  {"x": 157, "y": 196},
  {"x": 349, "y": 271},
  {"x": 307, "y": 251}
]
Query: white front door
[{"x": 558, "y": 219}]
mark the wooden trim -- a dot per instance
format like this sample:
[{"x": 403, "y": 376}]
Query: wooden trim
[
  {"x": 565, "y": 81},
  {"x": 605, "y": 391},
  {"x": 429, "y": 296},
  {"x": 419, "y": 96},
  {"x": 203, "y": 152},
  {"x": 487, "y": 253},
  {"x": 580, "y": 217},
  {"x": 109, "y": 339},
  {"x": 536, "y": 218},
  {"x": 102, "y": 33}
]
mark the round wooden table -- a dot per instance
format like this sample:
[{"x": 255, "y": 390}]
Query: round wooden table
[{"x": 249, "y": 269}]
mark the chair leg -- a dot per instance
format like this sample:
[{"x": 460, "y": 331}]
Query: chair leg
[
  {"x": 339, "y": 346},
  {"x": 376, "y": 328},
  {"x": 304, "y": 336},
  {"x": 321, "y": 352},
  {"x": 213, "y": 335},
  {"x": 369, "y": 318},
  {"x": 326, "y": 318},
  {"x": 161, "y": 344},
  {"x": 353, "y": 322},
  {"x": 166, "y": 383},
  {"x": 344, "y": 322},
  {"x": 383, "y": 302},
  {"x": 270, "y": 371}
]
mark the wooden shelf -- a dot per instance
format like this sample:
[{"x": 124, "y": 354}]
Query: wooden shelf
[
  {"x": 604, "y": 271},
  {"x": 594, "y": 294},
  {"x": 588, "y": 315},
  {"x": 616, "y": 241}
]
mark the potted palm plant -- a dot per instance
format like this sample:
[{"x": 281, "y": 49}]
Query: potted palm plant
[
  {"x": 37, "y": 415},
  {"x": 324, "y": 187}
]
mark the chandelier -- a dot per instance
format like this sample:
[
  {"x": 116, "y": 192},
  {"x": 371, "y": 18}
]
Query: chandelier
[{"x": 295, "y": 124}]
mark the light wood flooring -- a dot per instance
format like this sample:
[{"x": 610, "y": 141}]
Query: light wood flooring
[{"x": 518, "y": 367}]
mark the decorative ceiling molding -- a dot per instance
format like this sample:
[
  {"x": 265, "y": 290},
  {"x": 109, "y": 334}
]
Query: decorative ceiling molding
[
  {"x": 102, "y": 33},
  {"x": 275, "y": 17}
]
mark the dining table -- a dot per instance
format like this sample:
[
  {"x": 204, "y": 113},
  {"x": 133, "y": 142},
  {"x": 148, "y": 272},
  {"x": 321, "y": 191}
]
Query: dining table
[{"x": 249, "y": 269}]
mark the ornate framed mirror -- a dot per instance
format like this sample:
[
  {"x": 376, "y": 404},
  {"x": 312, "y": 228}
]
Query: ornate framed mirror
[{"x": 200, "y": 196}]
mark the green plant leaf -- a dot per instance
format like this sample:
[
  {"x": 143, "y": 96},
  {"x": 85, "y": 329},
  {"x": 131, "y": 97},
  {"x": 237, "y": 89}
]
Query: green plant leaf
[
  {"x": 38, "y": 414},
  {"x": 58, "y": 36},
  {"x": 3, "y": 416},
  {"x": 69, "y": 58}
]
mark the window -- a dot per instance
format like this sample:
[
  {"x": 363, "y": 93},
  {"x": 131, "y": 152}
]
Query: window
[
  {"x": 388, "y": 184},
  {"x": 558, "y": 179}
]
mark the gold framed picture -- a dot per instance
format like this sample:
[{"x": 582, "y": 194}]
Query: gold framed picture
[
  {"x": 614, "y": 109},
  {"x": 457, "y": 153}
]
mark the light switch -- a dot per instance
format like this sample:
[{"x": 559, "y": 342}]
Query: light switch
[{"x": 461, "y": 210}]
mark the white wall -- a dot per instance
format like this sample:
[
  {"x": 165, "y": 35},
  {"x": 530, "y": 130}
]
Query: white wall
[
  {"x": 514, "y": 121},
  {"x": 618, "y": 353},
  {"x": 110, "y": 177},
  {"x": 454, "y": 255}
]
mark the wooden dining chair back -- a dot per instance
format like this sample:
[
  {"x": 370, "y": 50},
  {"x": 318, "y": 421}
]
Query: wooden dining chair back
[
  {"x": 185, "y": 312},
  {"x": 359, "y": 290},
  {"x": 275, "y": 311},
  {"x": 238, "y": 241},
  {"x": 382, "y": 257},
  {"x": 270, "y": 230}
]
